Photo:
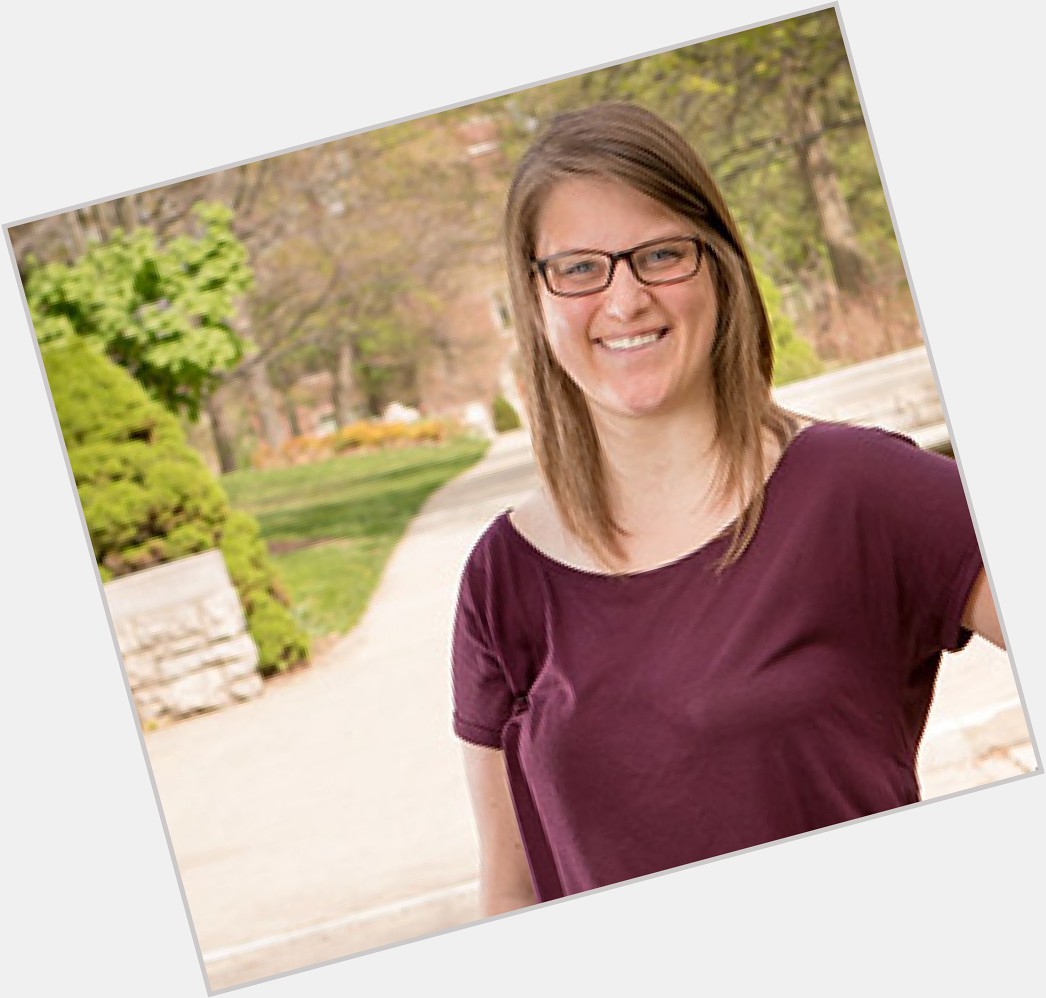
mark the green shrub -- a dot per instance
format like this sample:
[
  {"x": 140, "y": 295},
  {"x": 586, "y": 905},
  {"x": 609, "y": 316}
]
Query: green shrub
[
  {"x": 794, "y": 357},
  {"x": 148, "y": 498},
  {"x": 505, "y": 417},
  {"x": 271, "y": 622}
]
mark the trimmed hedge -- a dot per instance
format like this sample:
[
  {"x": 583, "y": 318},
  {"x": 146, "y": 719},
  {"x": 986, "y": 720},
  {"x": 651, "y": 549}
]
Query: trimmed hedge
[
  {"x": 504, "y": 415},
  {"x": 148, "y": 497}
]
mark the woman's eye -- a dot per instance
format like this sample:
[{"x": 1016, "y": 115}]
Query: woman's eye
[
  {"x": 664, "y": 254},
  {"x": 578, "y": 268},
  {"x": 581, "y": 267}
]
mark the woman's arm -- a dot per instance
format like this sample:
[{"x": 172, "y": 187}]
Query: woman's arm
[
  {"x": 505, "y": 883},
  {"x": 980, "y": 615}
]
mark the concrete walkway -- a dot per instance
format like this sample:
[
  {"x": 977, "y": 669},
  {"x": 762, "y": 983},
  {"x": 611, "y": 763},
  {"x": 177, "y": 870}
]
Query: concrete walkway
[
  {"x": 302, "y": 820},
  {"x": 330, "y": 816}
]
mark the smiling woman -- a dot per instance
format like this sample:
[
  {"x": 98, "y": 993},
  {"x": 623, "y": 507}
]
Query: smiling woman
[{"x": 716, "y": 624}]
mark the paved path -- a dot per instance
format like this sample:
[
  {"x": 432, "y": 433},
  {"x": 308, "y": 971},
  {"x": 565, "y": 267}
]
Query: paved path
[{"x": 330, "y": 816}]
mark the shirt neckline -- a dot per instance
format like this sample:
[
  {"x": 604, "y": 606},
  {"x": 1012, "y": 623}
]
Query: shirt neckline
[{"x": 668, "y": 566}]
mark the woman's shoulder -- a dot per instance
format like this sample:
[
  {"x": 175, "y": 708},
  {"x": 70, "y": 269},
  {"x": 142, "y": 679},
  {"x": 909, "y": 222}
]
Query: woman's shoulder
[
  {"x": 872, "y": 465},
  {"x": 503, "y": 594},
  {"x": 830, "y": 433},
  {"x": 486, "y": 545},
  {"x": 849, "y": 448},
  {"x": 504, "y": 541}
]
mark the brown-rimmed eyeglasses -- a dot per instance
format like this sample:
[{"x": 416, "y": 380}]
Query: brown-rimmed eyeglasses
[{"x": 587, "y": 272}]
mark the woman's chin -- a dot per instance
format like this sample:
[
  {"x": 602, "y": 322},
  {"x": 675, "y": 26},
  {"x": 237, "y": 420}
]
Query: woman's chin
[
  {"x": 651, "y": 401},
  {"x": 636, "y": 406}
]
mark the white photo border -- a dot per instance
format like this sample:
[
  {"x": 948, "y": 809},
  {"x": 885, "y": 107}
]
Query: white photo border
[{"x": 113, "y": 97}]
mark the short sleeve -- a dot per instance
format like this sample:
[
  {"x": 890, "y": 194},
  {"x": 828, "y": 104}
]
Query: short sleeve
[
  {"x": 482, "y": 697},
  {"x": 930, "y": 555}
]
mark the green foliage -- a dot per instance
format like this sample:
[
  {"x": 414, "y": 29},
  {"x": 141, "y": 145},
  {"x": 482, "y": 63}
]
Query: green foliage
[
  {"x": 148, "y": 498},
  {"x": 271, "y": 626},
  {"x": 162, "y": 313},
  {"x": 794, "y": 358},
  {"x": 505, "y": 417}
]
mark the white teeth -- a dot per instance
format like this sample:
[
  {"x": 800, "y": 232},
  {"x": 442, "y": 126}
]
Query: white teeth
[{"x": 628, "y": 342}]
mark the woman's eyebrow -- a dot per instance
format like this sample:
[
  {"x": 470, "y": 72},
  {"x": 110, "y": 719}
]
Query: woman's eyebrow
[{"x": 580, "y": 248}]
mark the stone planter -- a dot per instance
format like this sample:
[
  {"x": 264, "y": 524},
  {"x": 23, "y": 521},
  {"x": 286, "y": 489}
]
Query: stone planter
[{"x": 183, "y": 638}]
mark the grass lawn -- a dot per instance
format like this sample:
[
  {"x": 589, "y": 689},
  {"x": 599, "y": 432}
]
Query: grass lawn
[{"x": 331, "y": 526}]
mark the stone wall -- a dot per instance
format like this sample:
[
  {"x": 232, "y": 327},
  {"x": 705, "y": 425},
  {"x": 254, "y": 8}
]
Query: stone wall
[{"x": 183, "y": 638}]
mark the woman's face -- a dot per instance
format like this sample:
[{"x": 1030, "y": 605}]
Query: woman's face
[{"x": 633, "y": 349}]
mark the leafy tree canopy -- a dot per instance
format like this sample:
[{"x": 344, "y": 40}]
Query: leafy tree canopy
[{"x": 163, "y": 313}]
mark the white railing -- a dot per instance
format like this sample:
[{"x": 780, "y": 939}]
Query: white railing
[{"x": 898, "y": 392}]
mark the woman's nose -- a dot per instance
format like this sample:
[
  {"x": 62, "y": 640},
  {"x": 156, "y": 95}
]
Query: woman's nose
[{"x": 625, "y": 296}]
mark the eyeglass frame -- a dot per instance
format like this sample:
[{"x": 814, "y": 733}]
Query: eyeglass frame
[{"x": 541, "y": 266}]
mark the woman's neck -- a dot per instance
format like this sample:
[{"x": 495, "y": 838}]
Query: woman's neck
[{"x": 665, "y": 458}]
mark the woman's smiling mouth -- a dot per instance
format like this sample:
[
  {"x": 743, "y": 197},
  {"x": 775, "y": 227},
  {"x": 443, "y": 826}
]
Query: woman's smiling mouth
[{"x": 636, "y": 341}]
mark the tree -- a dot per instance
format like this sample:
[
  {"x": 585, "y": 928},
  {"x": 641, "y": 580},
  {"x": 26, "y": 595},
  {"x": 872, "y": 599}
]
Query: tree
[
  {"x": 161, "y": 312},
  {"x": 376, "y": 223}
]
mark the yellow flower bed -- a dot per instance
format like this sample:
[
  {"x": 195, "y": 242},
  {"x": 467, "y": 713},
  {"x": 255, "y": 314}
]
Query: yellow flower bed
[{"x": 355, "y": 437}]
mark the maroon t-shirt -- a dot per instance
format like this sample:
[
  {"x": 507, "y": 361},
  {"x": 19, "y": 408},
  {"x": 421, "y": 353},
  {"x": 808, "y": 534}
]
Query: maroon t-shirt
[{"x": 664, "y": 717}]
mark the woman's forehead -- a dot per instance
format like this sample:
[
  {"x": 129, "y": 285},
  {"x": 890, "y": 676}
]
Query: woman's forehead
[{"x": 601, "y": 213}]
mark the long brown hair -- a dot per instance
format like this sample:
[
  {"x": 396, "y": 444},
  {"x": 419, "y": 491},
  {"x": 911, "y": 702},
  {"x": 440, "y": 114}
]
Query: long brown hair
[{"x": 627, "y": 143}]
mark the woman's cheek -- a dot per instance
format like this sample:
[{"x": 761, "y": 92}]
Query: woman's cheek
[{"x": 560, "y": 331}]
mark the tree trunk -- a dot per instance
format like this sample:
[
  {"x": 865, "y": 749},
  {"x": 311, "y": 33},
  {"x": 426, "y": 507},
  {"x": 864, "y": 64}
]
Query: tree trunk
[
  {"x": 105, "y": 214},
  {"x": 346, "y": 393},
  {"x": 223, "y": 445},
  {"x": 273, "y": 428},
  {"x": 822, "y": 184},
  {"x": 127, "y": 212},
  {"x": 77, "y": 234},
  {"x": 372, "y": 393},
  {"x": 845, "y": 255},
  {"x": 292, "y": 414}
]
